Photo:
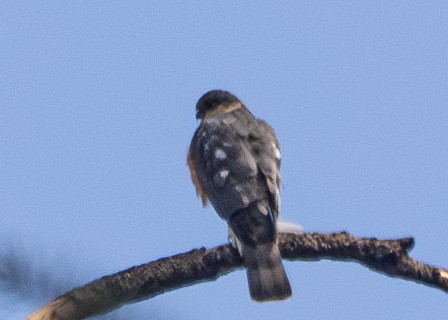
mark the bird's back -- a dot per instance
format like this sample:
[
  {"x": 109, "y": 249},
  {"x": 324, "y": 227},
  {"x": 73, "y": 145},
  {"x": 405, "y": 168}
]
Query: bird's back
[{"x": 227, "y": 168}]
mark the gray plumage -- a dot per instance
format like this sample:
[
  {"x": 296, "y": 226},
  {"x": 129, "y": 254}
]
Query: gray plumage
[{"x": 236, "y": 158}]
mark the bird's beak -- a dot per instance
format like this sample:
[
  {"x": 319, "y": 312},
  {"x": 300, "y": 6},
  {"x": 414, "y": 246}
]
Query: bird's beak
[{"x": 199, "y": 115}]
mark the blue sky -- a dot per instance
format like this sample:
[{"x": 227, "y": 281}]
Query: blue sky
[{"x": 97, "y": 112}]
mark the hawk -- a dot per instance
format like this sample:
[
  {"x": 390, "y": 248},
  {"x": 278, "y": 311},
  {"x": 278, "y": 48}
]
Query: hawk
[{"x": 234, "y": 160}]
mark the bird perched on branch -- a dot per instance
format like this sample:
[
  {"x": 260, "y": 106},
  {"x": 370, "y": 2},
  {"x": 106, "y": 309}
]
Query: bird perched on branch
[{"x": 234, "y": 160}]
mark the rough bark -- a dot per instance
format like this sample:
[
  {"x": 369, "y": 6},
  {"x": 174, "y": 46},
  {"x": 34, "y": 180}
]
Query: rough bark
[{"x": 389, "y": 257}]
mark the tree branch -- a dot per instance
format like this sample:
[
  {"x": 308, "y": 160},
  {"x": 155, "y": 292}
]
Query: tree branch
[{"x": 142, "y": 282}]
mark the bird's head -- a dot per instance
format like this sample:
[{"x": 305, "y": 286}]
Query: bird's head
[{"x": 216, "y": 102}]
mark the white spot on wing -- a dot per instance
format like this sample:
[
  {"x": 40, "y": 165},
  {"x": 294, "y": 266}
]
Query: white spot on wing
[
  {"x": 220, "y": 178},
  {"x": 224, "y": 173},
  {"x": 235, "y": 242},
  {"x": 245, "y": 200},
  {"x": 262, "y": 209},
  {"x": 277, "y": 153},
  {"x": 227, "y": 144},
  {"x": 220, "y": 154}
]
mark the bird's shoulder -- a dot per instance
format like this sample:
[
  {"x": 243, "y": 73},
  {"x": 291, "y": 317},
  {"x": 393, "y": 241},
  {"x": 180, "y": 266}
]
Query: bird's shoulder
[{"x": 242, "y": 129}]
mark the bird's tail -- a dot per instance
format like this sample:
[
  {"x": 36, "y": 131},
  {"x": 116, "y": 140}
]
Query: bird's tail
[
  {"x": 256, "y": 238},
  {"x": 265, "y": 273}
]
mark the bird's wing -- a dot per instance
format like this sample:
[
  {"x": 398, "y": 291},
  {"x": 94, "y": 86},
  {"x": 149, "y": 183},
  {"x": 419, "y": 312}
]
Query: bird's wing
[{"x": 266, "y": 152}]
